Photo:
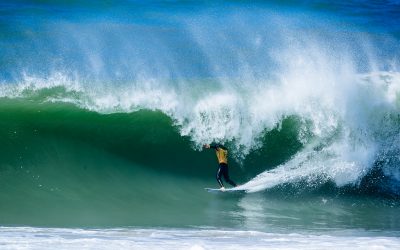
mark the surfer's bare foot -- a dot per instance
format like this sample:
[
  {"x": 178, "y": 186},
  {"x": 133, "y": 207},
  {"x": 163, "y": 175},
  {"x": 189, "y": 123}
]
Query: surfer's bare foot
[{"x": 222, "y": 189}]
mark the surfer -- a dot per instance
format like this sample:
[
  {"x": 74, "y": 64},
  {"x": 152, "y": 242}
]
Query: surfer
[{"x": 222, "y": 155}]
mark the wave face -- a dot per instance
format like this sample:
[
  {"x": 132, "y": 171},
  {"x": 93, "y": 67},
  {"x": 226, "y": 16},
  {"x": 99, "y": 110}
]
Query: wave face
[{"x": 97, "y": 101}]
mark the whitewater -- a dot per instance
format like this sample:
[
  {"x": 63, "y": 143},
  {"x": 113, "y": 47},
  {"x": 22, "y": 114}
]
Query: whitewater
[{"x": 122, "y": 238}]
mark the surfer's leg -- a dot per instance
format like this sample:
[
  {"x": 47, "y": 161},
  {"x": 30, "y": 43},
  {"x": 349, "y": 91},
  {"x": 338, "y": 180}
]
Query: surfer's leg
[
  {"x": 219, "y": 175},
  {"x": 226, "y": 175}
]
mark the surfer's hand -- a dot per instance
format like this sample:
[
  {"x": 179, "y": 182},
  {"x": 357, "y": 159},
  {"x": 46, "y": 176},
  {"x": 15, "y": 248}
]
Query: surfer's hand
[{"x": 206, "y": 146}]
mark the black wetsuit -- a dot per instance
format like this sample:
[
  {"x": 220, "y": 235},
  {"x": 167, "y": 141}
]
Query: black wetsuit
[{"x": 223, "y": 169}]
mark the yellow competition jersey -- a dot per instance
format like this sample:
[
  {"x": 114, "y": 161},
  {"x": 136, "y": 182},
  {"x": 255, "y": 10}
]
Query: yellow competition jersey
[{"x": 222, "y": 155}]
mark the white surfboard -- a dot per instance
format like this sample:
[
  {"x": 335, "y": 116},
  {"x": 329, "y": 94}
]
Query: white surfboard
[{"x": 218, "y": 190}]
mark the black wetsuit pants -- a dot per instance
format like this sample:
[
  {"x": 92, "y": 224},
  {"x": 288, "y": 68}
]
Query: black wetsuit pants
[{"x": 223, "y": 171}]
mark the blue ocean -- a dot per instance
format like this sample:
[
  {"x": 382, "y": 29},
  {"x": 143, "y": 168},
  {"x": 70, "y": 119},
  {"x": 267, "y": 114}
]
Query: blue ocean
[{"x": 105, "y": 107}]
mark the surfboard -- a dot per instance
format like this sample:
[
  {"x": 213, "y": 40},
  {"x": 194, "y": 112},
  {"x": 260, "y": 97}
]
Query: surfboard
[{"x": 218, "y": 190}]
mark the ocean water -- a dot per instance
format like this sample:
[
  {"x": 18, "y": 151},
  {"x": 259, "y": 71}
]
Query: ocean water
[{"x": 105, "y": 106}]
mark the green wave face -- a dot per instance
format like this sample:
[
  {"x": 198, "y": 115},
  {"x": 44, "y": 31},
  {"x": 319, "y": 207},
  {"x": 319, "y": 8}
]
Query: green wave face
[{"x": 61, "y": 165}]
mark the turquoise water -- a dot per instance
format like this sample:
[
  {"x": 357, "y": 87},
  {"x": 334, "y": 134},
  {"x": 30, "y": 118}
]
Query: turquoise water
[{"x": 104, "y": 108}]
